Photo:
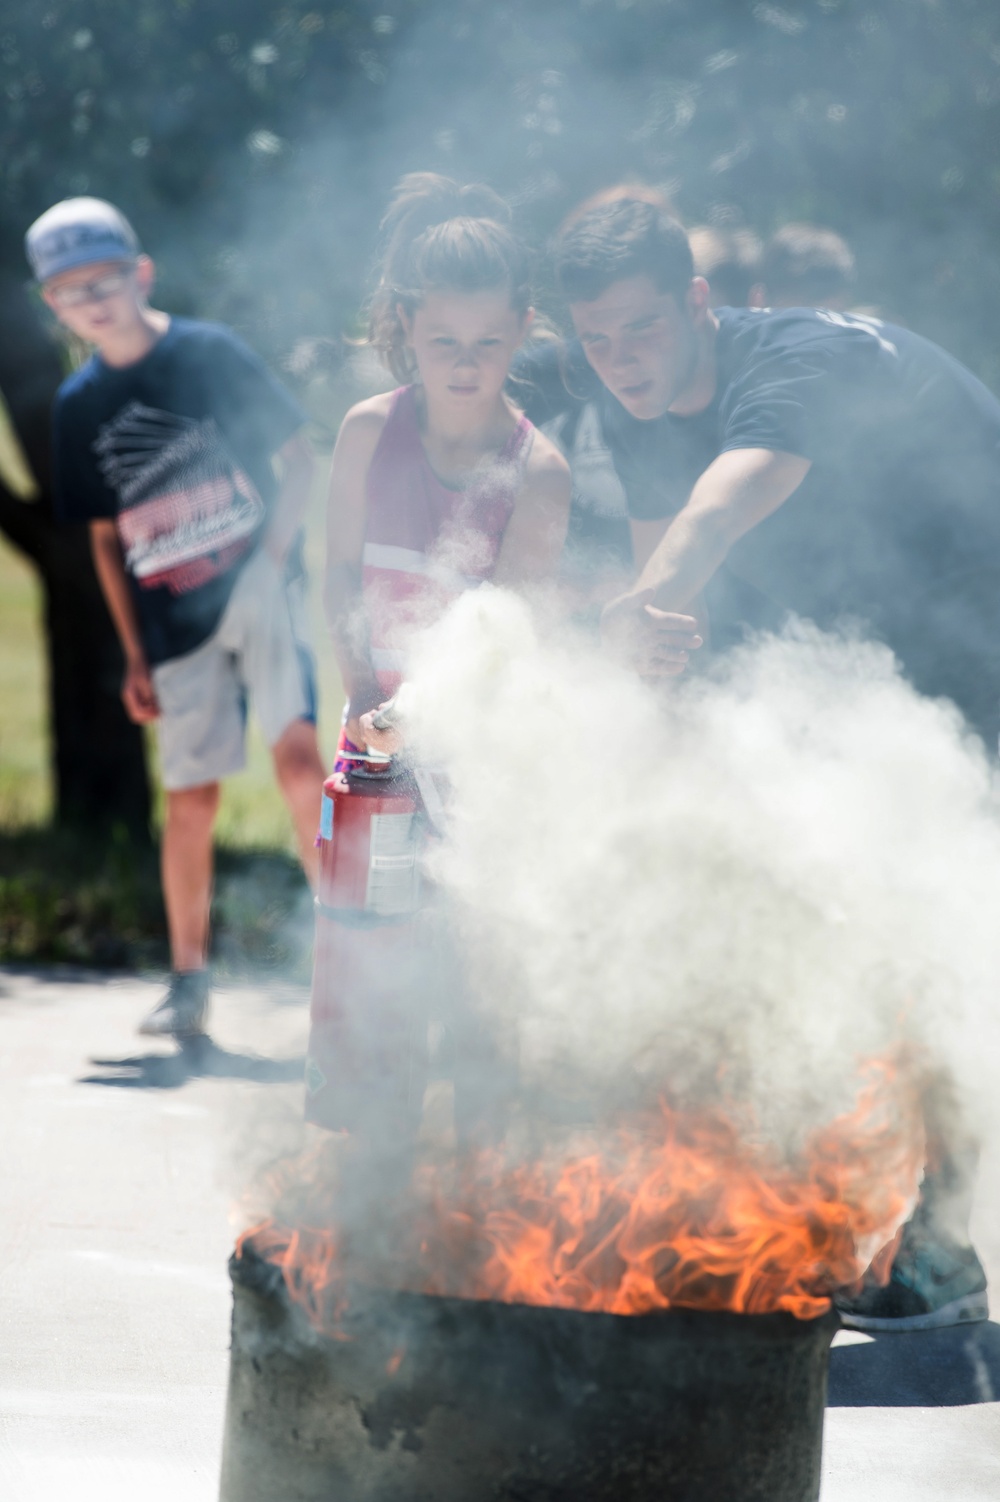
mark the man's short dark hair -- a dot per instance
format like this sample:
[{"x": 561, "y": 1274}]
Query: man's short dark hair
[
  {"x": 807, "y": 263},
  {"x": 622, "y": 232}
]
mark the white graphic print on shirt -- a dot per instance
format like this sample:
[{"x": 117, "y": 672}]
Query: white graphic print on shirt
[{"x": 186, "y": 510}]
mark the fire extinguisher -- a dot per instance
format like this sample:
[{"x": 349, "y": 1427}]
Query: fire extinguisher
[
  {"x": 366, "y": 1062},
  {"x": 369, "y": 841}
]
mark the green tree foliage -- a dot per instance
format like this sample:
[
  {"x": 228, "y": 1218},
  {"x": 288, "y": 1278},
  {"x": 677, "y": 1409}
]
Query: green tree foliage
[{"x": 254, "y": 144}]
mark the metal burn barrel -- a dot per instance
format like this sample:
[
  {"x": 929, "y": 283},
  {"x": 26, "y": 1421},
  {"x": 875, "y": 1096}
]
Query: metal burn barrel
[{"x": 425, "y": 1399}]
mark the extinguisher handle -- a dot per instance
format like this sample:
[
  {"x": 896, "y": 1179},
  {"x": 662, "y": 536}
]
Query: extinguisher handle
[{"x": 378, "y": 757}]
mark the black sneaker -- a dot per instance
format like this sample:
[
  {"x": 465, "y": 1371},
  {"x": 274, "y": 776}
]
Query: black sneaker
[
  {"x": 182, "y": 1012},
  {"x": 934, "y": 1282}
]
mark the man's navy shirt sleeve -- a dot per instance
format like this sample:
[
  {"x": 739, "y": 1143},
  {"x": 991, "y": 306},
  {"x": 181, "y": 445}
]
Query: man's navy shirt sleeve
[{"x": 800, "y": 383}]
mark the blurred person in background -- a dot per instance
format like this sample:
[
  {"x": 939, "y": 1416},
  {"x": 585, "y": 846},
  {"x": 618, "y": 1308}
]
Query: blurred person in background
[
  {"x": 851, "y": 470},
  {"x": 803, "y": 266},
  {"x": 163, "y": 444},
  {"x": 729, "y": 260}
]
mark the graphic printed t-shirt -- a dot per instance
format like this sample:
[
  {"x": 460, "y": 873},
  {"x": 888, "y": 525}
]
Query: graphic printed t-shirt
[{"x": 176, "y": 449}]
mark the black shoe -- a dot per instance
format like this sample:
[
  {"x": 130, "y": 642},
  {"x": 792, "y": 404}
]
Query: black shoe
[
  {"x": 182, "y": 1012},
  {"x": 934, "y": 1282}
]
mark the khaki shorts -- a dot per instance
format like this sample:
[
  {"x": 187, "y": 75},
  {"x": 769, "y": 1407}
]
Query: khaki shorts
[{"x": 259, "y": 649}]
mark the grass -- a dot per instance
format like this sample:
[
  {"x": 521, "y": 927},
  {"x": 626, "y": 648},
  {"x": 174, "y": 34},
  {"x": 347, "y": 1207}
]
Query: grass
[
  {"x": 60, "y": 901},
  {"x": 63, "y": 902},
  {"x": 25, "y": 797}
]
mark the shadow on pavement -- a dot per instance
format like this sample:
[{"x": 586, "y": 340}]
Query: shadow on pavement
[
  {"x": 198, "y": 1058},
  {"x": 919, "y": 1369}
]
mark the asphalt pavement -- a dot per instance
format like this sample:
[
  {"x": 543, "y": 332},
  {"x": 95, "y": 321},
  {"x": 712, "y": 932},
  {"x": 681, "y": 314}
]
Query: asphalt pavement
[{"x": 124, "y": 1166}]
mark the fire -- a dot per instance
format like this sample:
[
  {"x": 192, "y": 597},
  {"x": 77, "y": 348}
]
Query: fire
[
  {"x": 688, "y": 1212},
  {"x": 308, "y": 1261}
]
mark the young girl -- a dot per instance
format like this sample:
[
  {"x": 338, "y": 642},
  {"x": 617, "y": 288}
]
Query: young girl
[
  {"x": 434, "y": 488},
  {"x": 442, "y": 483}
]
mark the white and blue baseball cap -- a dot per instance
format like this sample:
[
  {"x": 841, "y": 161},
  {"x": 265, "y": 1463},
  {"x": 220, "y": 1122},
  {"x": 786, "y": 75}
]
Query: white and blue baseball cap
[{"x": 78, "y": 232}]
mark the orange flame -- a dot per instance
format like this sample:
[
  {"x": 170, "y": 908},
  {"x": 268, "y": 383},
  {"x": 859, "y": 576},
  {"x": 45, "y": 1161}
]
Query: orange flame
[
  {"x": 690, "y": 1215},
  {"x": 308, "y": 1262}
]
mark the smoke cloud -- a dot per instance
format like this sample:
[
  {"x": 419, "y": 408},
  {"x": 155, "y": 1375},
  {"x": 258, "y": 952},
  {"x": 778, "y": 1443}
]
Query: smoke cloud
[{"x": 745, "y": 884}]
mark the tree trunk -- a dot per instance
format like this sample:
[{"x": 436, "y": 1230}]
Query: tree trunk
[{"x": 98, "y": 755}]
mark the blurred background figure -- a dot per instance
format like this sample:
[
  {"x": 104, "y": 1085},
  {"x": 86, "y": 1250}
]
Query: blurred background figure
[
  {"x": 166, "y": 445},
  {"x": 804, "y": 266},
  {"x": 729, "y": 260}
]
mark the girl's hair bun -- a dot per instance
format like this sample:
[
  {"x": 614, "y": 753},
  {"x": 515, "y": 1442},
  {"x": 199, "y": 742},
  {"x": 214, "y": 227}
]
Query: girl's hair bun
[{"x": 421, "y": 200}]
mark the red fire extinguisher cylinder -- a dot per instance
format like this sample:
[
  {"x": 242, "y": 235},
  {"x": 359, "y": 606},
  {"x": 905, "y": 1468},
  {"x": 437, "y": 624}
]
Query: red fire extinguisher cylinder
[{"x": 367, "y": 1047}]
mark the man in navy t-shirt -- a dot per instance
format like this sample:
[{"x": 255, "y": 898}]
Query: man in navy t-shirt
[
  {"x": 164, "y": 443},
  {"x": 845, "y": 469}
]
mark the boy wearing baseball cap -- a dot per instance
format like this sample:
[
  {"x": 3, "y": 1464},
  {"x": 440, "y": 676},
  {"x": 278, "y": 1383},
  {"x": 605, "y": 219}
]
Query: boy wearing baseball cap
[{"x": 164, "y": 442}]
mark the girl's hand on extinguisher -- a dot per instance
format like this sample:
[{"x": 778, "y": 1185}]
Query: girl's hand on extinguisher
[
  {"x": 353, "y": 731},
  {"x": 387, "y": 740}
]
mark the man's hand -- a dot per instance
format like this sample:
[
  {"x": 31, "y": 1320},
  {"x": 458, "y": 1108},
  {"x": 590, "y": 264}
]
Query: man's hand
[
  {"x": 138, "y": 693},
  {"x": 656, "y": 643}
]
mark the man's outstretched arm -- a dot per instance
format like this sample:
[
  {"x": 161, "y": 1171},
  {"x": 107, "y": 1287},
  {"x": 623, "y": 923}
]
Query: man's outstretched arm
[{"x": 736, "y": 492}]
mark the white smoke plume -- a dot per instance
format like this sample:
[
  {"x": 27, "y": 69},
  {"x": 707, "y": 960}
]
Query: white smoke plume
[{"x": 756, "y": 877}]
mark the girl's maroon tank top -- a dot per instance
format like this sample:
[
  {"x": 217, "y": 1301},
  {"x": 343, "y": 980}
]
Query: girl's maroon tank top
[{"x": 424, "y": 542}]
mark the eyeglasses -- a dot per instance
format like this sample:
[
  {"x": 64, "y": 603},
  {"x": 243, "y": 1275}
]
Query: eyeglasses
[{"x": 75, "y": 295}]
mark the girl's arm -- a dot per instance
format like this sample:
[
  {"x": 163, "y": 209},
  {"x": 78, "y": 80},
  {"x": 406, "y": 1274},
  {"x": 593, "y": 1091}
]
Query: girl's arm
[
  {"x": 346, "y": 519},
  {"x": 536, "y": 533}
]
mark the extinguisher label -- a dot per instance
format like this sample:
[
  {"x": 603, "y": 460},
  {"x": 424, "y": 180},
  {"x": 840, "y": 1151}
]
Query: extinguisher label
[
  {"x": 392, "y": 864},
  {"x": 326, "y": 818}
]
